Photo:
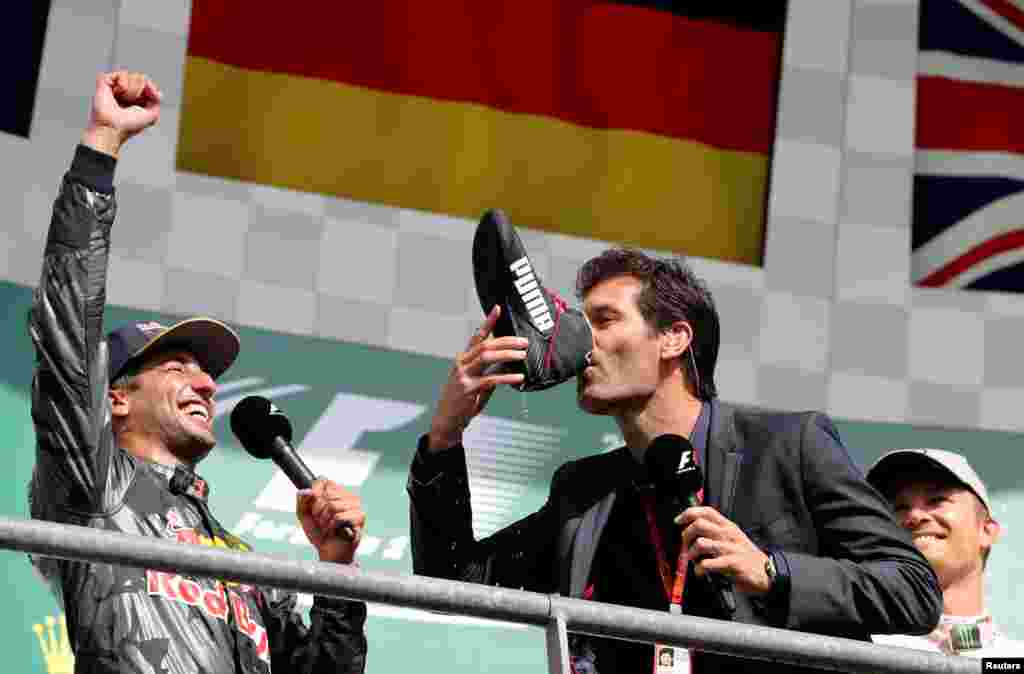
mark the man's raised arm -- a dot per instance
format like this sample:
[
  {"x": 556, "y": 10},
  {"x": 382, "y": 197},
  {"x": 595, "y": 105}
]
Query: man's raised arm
[{"x": 69, "y": 391}]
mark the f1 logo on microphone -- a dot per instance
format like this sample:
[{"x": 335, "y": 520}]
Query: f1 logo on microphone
[{"x": 685, "y": 461}]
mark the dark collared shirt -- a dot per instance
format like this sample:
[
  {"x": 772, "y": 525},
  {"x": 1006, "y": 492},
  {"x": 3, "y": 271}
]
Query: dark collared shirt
[{"x": 625, "y": 567}]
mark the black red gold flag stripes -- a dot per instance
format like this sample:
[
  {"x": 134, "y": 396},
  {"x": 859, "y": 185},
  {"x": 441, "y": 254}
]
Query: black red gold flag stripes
[{"x": 629, "y": 122}]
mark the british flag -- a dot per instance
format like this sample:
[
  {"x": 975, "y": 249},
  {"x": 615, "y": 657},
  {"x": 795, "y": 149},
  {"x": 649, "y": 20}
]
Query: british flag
[{"x": 968, "y": 202}]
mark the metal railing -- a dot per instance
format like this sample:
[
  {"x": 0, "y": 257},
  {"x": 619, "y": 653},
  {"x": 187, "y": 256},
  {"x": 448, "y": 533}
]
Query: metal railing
[{"x": 555, "y": 613}]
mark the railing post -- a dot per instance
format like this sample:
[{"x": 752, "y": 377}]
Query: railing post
[{"x": 557, "y": 638}]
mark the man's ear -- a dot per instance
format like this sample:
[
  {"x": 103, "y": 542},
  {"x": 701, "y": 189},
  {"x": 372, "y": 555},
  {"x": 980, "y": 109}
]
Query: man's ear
[
  {"x": 120, "y": 402},
  {"x": 990, "y": 530},
  {"x": 676, "y": 339}
]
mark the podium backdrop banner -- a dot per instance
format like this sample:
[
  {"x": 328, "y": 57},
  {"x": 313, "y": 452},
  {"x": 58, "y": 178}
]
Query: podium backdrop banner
[{"x": 357, "y": 413}]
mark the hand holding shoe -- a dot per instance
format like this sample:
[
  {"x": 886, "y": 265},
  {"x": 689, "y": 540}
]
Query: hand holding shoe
[{"x": 469, "y": 385}]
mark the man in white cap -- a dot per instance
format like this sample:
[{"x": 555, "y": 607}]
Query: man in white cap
[{"x": 940, "y": 499}]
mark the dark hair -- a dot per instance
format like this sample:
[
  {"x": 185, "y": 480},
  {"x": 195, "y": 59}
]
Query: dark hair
[{"x": 670, "y": 292}]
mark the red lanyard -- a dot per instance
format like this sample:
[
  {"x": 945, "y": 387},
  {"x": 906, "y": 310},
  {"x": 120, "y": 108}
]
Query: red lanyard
[{"x": 673, "y": 586}]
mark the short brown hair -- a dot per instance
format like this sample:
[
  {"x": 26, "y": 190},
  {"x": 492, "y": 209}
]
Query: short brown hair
[{"x": 670, "y": 292}]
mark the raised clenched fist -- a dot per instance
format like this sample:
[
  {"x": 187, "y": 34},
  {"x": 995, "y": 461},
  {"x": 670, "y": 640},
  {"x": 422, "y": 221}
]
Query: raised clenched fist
[{"x": 124, "y": 104}]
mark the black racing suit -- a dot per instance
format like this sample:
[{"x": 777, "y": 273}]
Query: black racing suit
[{"x": 123, "y": 619}]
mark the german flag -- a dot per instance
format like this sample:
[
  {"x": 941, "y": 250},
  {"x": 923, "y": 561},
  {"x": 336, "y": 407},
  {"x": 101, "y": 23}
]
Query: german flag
[{"x": 647, "y": 123}]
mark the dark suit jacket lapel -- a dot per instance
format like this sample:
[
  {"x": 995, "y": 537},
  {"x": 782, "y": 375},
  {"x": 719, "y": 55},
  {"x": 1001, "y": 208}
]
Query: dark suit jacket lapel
[
  {"x": 581, "y": 530},
  {"x": 722, "y": 458},
  {"x": 722, "y": 462},
  {"x": 584, "y": 546}
]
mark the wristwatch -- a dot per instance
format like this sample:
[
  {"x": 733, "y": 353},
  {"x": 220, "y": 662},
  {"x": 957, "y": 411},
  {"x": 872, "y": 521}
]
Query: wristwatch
[
  {"x": 771, "y": 571},
  {"x": 774, "y": 604},
  {"x": 776, "y": 567}
]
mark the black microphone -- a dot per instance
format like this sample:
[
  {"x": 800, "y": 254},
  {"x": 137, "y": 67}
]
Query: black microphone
[
  {"x": 266, "y": 433},
  {"x": 672, "y": 466}
]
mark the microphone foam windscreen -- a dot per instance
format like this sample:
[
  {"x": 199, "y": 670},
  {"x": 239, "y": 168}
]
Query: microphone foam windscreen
[
  {"x": 671, "y": 458},
  {"x": 256, "y": 422}
]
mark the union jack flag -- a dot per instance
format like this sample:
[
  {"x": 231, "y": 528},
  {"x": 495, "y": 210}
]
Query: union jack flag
[{"x": 968, "y": 202}]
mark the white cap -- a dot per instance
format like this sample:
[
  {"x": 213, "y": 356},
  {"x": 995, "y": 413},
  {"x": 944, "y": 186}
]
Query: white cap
[{"x": 900, "y": 465}]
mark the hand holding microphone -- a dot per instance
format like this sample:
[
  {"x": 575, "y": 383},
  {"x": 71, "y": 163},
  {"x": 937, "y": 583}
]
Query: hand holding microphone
[
  {"x": 670, "y": 461},
  {"x": 331, "y": 515},
  {"x": 332, "y": 519},
  {"x": 718, "y": 547}
]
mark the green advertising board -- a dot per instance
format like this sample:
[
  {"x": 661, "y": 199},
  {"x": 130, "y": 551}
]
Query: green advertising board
[{"x": 357, "y": 412}]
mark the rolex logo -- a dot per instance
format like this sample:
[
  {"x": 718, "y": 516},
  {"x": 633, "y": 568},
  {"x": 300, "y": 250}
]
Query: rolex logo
[{"x": 56, "y": 649}]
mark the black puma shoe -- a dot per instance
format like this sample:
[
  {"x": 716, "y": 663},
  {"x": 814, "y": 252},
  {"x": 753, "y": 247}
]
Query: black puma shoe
[{"x": 560, "y": 337}]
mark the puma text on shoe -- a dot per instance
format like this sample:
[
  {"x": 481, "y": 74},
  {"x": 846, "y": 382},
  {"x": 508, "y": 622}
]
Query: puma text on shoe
[{"x": 531, "y": 294}]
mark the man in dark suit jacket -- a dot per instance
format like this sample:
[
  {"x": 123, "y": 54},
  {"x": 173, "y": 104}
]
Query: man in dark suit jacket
[{"x": 786, "y": 518}]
